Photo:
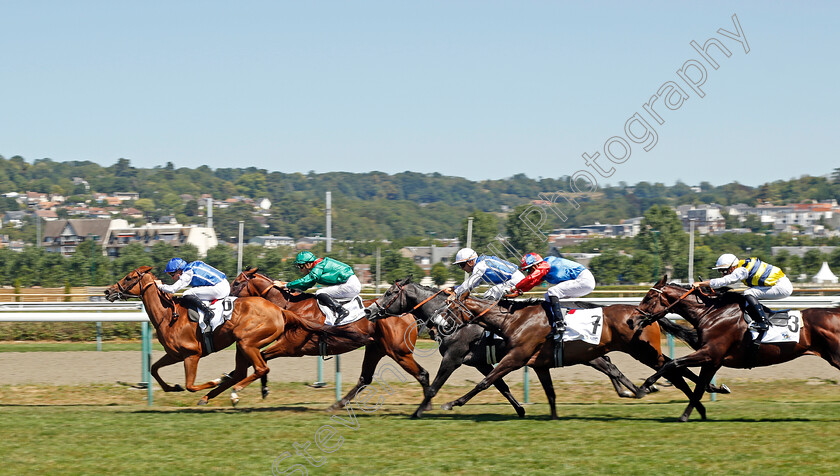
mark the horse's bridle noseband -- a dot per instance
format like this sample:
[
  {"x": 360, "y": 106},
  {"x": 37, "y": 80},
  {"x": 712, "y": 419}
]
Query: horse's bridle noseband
[
  {"x": 122, "y": 292},
  {"x": 650, "y": 317},
  {"x": 384, "y": 309}
]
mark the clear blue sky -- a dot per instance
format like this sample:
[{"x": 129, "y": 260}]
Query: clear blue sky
[{"x": 469, "y": 88}]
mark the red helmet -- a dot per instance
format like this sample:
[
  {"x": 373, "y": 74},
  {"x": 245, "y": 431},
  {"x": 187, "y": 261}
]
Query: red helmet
[{"x": 529, "y": 260}]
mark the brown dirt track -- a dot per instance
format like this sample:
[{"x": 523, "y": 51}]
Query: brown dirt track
[{"x": 85, "y": 367}]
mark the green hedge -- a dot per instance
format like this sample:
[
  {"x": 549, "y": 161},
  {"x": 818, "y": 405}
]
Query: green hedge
[{"x": 67, "y": 331}]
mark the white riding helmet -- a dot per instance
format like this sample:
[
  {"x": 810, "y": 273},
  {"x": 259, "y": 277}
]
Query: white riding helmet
[
  {"x": 726, "y": 260},
  {"x": 464, "y": 255}
]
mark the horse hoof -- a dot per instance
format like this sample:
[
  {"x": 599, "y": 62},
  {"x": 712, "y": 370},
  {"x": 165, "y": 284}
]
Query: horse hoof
[
  {"x": 234, "y": 398},
  {"x": 653, "y": 389},
  {"x": 626, "y": 394},
  {"x": 724, "y": 390},
  {"x": 447, "y": 406},
  {"x": 520, "y": 412},
  {"x": 416, "y": 415},
  {"x": 201, "y": 402},
  {"x": 177, "y": 388},
  {"x": 265, "y": 392},
  {"x": 683, "y": 418},
  {"x": 641, "y": 392}
]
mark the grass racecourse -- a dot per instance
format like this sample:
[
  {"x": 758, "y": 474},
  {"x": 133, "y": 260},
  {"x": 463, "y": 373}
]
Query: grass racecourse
[{"x": 776, "y": 427}]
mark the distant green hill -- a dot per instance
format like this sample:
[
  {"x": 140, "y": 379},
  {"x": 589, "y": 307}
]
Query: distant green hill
[{"x": 371, "y": 205}]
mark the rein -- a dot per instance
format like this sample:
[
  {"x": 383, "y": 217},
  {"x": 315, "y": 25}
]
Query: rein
[
  {"x": 652, "y": 316},
  {"x": 397, "y": 296},
  {"x": 468, "y": 312},
  {"x": 143, "y": 289}
]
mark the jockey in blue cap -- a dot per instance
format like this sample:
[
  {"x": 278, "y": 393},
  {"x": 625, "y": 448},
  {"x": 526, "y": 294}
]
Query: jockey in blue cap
[{"x": 208, "y": 283}]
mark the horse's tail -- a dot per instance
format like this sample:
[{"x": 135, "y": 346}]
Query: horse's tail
[
  {"x": 345, "y": 332},
  {"x": 685, "y": 334}
]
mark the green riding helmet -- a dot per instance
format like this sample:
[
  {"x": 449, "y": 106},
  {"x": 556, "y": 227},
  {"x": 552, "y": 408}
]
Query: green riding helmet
[{"x": 305, "y": 257}]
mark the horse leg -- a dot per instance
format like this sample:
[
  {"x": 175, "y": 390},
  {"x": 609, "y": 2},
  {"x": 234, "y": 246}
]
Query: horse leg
[
  {"x": 190, "y": 368},
  {"x": 650, "y": 355},
  {"x": 515, "y": 359},
  {"x": 695, "y": 359},
  {"x": 545, "y": 379},
  {"x": 163, "y": 362},
  {"x": 237, "y": 374},
  {"x": 406, "y": 360},
  {"x": 448, "y": 364},
  {"x": 252, "y": 353},
  {"x": 503, "y": 388},
  {"x": 622, "y": 385},
  {"x": 710, "y": 388},
  {"x": 264, "y": 386},
  {"x": 707, "y": 372},
  {"x": 373, "y": 354}
]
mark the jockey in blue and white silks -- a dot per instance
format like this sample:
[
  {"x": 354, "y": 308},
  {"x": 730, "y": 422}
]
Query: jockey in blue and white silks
[
  {"x": 208, "y": 283},
  {"x": 502, "y": 275}
]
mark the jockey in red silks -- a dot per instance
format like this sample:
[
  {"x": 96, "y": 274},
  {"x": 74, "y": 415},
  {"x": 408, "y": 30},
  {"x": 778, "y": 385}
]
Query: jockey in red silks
[{"x": 570, "y": 280}]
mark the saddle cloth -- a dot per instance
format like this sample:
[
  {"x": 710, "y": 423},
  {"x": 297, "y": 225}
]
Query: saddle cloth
[
  {"x": 785, "y": 326},
  {"x": 222, "y": 310},
  {"x": 354, "y": 305},
  {"x": 584, "y": 324}
]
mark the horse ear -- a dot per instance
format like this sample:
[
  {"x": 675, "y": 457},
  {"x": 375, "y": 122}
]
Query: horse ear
[
  {"x": 662, "y": 281},
  {"x": 144, "y": 269},
  {"x": 408, "y": 279}
]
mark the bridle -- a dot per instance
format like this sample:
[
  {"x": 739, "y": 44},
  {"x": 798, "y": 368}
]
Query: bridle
[
  {"x": 398, "y": 295},
  {"x": 124, "y": 291},
  {"x": 650, "y": 317},
  {"x": 252, "y": 288}
]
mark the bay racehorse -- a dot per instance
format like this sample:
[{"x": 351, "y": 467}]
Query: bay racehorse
[
  {"x": 393, "y": 337},
  {"x": 254, "y": 324},
  {"x": 525, "y": 327},
  {"x": 723, "y": 337},
  {"x": 469, "y": 344}
]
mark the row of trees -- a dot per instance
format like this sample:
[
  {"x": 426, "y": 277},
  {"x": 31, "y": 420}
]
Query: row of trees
[
  {"x": 662, "y": 248},
  {"x": 371, "y": 205}
]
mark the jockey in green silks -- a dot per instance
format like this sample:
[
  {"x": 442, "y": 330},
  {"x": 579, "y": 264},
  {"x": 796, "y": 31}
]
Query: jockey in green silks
[{"x": 338, "y": 279}]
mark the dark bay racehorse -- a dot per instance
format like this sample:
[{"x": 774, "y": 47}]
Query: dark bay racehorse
[
  {"x": 723, "y": 337},
  {"x": 254, "y": 324},
  {"x": 393, "y": 337},
  {"x": 525, "y": 328},
  {"x": 461, "y": 344}
]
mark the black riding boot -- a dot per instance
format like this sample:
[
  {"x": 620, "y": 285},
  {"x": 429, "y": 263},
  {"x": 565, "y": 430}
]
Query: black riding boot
[
  {"x": 756, "y": 312},
  {"x": 338, "y": 309},
  {"x": 191, "y": 299},
  {"x": 559, "y": 314}
]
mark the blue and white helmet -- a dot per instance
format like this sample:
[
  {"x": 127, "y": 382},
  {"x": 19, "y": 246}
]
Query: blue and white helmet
[{"x": 175, "y": 264}]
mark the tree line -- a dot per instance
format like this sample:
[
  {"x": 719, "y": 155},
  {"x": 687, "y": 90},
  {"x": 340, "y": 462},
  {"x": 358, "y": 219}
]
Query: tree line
[{"x": 367, "y": 206}]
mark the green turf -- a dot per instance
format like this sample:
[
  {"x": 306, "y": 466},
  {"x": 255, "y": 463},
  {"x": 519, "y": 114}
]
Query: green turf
[{"x": 764, "y": 428}]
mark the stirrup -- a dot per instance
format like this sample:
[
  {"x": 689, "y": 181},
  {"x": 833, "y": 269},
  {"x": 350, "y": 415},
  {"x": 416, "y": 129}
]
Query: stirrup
[{"x": 759, "y": 326}]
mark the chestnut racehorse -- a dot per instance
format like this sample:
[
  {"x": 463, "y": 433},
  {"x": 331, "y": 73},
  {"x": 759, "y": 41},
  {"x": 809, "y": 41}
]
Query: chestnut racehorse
[
  {"x": 723, "y": 337},
  {"x": 524, "y": 325},
  {"x": 392, "y": 337},
  {"x": 254, "y": 323}
]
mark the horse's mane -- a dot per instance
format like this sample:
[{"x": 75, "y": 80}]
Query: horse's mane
[
  {"x": 291, "y": 297},
  {"x": 722, "y": 297}
]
